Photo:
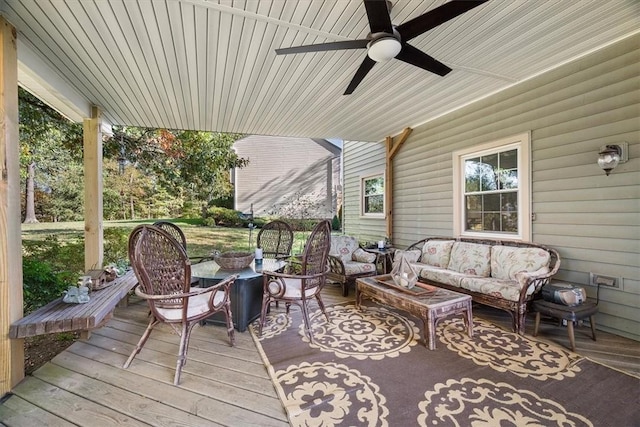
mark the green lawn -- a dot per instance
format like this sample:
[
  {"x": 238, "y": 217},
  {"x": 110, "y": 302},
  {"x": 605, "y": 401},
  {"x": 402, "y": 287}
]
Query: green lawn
[{"x": 201, "y": 240}]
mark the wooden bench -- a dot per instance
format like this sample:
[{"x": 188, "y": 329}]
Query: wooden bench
[{"x": 59, "y": 316}]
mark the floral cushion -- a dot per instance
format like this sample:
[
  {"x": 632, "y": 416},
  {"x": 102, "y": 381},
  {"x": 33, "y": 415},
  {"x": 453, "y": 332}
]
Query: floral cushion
[
  {"x": 471, "y": 258},
  {"x": 437, "y": 252},
  {"x": 439, "y": 275},
  {"x": 507, "y": 261},
  {"x": 500, "y": 288},
  {"x": 361, "y": 255},
  {"x": 354, "y": 267},
  {"x": 411, "y": 256},
  {"x": 343, "y": 247}
]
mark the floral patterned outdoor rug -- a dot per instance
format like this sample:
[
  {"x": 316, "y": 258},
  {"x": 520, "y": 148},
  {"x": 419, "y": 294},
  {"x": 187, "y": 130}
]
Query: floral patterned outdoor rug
[{"x": 370, "y": 367}]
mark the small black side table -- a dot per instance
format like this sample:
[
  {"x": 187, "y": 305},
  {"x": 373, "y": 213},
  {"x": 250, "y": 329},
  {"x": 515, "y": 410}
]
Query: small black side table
[{"x": 568, "y": 313}]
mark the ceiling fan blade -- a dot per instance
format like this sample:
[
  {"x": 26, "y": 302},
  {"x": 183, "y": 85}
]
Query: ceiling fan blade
[
  {"x": 321, "y": 47},
  {"x": 435, "y": 17},
  {"x": 378, "y": 14},
  {"x": 365, "y": 67},
  {"x": 414, "y": 56}
]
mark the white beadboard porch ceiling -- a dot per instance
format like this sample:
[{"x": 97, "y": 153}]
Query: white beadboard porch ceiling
[{"x": 210, "y": 64}]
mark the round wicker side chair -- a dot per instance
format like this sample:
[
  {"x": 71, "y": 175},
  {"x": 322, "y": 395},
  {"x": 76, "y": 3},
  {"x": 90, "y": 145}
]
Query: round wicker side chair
[
  {"x": 305, "y": 283},
  {"x": 163, "y": 271}
]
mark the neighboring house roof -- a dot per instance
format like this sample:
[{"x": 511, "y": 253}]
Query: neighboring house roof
[{"x": 287, "y": 177}]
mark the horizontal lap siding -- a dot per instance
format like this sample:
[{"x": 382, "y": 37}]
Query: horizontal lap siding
[
  {"x": 284, "y": 174},
  {"x": 361, "y": 159},
  {"x": 591, "y": 219}
]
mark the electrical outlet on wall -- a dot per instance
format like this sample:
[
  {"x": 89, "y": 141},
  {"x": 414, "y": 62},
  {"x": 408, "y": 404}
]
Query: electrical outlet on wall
[{"x": 602, "y": 280}]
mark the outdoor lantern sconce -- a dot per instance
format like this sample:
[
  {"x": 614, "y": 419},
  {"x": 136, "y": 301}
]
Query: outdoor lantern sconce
[{"x": 612, "y": 154}]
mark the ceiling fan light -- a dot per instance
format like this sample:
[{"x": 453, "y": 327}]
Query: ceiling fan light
[{"x": 384, "y": 49}]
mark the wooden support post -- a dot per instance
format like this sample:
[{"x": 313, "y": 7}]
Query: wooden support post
[
  {"x": 393, "y": 145},
  {"x": 11, "y": 351},
  {"x": 93, "y": 223}
]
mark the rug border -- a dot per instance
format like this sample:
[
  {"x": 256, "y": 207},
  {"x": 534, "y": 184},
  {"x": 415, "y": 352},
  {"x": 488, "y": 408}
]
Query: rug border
[{"x": 270, "y": 370}]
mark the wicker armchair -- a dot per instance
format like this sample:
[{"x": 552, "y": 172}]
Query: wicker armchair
[
  {"x": 164, "y": 276},
  {"x": 300, "y": 287},
  {"x": 348, "y": 261},
  {"x": 276, "y": 239}
]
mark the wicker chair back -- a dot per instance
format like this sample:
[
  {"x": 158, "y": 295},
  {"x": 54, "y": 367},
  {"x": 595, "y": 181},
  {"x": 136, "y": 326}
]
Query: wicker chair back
[
  {"x": 315, "y": 254},
  {"x": 161, "y": 264},
  {"x": 276, "y": 239},
  {"x": 175, "y": 231}
]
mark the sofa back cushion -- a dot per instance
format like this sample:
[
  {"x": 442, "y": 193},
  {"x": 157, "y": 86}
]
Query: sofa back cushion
[
  {"x": 471, "y": 258},
  {"x": 343, "y": 247},
  {"x": 506, "y": 261},
  {"x": 437, "y": 252}
]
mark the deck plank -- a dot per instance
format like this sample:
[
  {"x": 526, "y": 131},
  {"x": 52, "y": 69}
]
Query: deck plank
[
  {"x": 230, "y": 386},
  {"x": 185, "y": 399},
  {"x": 18, "y": 412},
  {"x": 162, "y": 352},
  {"x": 220, "y": 384},
  {"x": 123, "y": 399},
  {"x": 71, "y": 407}
]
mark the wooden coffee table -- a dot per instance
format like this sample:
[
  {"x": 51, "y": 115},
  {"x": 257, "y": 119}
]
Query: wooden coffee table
[{"x": 426, "y": 302}]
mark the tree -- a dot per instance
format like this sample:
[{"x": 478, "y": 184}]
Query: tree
[
  {"x": 46, "y": 139},
  {"x": 147, "y": 172},
  {"x": 188, "y": 165}
]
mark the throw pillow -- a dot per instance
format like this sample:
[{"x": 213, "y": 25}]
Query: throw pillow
[
  {"x": 411, "y": 256},
  {"x": 361, "y": 255},
  {"x": 508, "y": 261}
]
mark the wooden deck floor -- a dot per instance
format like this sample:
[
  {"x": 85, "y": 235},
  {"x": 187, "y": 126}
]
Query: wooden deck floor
[{"x": 86, "y": 385}]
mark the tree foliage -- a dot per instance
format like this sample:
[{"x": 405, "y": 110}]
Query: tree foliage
[
  {"x": 188, "y": 164},
  {"x": 47, "y": 139},
  {"x": 148, "y": 173}
]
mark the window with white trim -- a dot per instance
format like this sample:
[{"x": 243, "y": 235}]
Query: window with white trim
[
  {"x": 492, "y": 195},
  {"x": 372, "y": 195}
]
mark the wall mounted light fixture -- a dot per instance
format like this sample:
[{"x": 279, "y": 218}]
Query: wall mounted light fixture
[{"x": 612, "y": 154}]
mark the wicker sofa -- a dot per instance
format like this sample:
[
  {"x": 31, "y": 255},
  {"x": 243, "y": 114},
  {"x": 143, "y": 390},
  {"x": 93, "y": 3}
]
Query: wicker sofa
[{"x": 503, "y": 274}]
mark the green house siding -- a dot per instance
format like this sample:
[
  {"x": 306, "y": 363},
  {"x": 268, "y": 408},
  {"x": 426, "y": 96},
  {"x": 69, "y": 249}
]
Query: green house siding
[{"x": 591, "y": 219}]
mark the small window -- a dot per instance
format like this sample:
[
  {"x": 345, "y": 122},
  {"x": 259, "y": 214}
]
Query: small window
[
  {"x": 491, "y": 193},
  {"x": 372, "y": 195}
]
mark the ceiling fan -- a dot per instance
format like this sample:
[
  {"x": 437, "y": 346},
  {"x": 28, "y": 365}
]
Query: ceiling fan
[{"x": 387, "y": 41}]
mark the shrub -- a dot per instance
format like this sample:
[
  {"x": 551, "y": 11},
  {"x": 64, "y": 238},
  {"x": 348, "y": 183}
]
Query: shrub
[
  {"x": 302, "y": 224},
  {"x": 41, "y": 284},
  {"x": 335, "y": 223},
  {"x": 116, "y": 245},
  {"x": 67, "y": 257},
  {"x": 260, "y": 222},
  {"x": 191, "y": 210},
  {"x": 49, "y": 267},
  {"x": 225, "y": 217}
]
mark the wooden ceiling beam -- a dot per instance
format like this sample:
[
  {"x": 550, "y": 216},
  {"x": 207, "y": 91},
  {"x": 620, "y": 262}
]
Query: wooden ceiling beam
[{"x": 393, "y": 144}]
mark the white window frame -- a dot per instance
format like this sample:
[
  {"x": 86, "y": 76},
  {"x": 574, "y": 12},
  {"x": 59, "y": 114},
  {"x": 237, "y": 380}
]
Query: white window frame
[
  {"x": 364, "y": 178},
  {"x": 521, "y": 142}
]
